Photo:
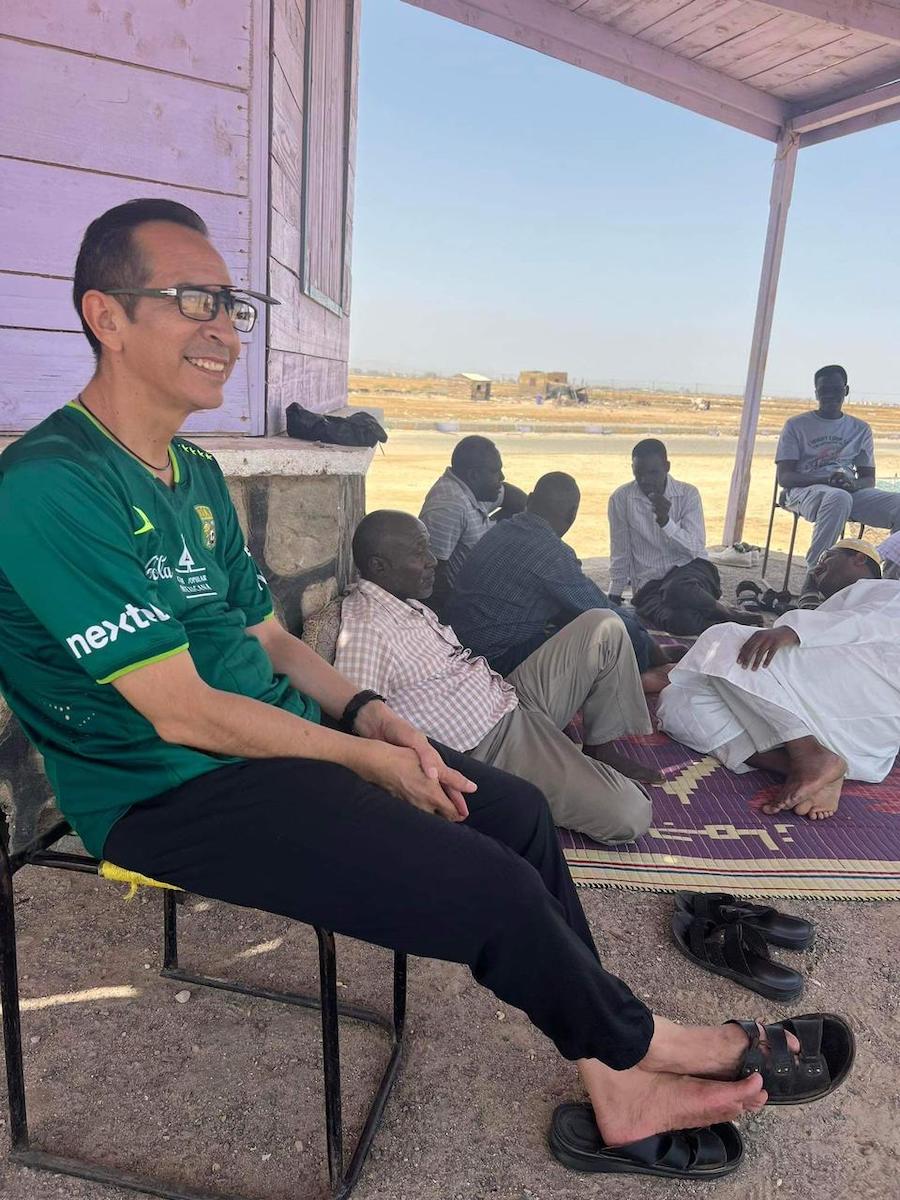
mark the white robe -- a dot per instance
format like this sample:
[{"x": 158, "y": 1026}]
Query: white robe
[{"x": 841, "y": 685}]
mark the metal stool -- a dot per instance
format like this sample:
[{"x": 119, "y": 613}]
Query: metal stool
[
  {"x": 39, "y": 854},
  {"x": 779, "y": 500}
]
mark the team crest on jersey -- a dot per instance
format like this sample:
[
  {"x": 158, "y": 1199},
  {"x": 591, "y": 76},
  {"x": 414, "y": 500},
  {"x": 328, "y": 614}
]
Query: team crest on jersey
[{"x": 207, "y": 525}]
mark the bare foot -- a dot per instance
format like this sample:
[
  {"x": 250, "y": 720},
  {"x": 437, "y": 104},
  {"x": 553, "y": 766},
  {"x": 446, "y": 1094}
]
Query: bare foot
[
  {"x": 824, "y": 804},
  {"x": 629, "y": 1105},
  {"x": 814, "y": 779},
  {"x": 771, "y": 760},
  {"x": 655, "y": 678},
  {"x": 711, "y": 1051},
  {"x": 624, "y": 765}
]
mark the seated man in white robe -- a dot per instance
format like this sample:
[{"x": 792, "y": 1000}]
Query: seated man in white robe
[{"x": 816, "y": 698}]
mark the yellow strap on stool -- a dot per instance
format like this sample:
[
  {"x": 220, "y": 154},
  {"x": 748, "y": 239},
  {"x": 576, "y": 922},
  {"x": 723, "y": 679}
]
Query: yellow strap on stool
[{"x": 134, "y": 879}]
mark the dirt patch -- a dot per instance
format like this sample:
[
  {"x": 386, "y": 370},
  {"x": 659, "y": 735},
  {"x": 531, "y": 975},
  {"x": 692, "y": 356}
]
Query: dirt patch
[{"x": 224, "y": 1093}]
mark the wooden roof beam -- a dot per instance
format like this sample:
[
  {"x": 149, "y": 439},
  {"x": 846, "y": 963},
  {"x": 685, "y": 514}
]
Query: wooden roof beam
[
  {"x": 880, "y": 18},
  {"x": 844, "y": 110},
  {"x": 553, "y": 30},
  {"x": 867, "y": 120}
]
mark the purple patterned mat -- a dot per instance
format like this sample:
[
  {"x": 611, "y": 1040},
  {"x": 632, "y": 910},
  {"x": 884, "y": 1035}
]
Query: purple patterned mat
[{"x": 709, "y": 834}]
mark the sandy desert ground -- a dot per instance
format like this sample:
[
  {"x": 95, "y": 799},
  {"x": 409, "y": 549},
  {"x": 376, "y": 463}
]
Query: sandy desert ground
[
  {"x": 413, "y": 459},
  {"x": 702, "y": 445}
]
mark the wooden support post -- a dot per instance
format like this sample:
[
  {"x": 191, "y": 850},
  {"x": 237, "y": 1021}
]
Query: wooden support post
[{"x": 779, "y": 203}]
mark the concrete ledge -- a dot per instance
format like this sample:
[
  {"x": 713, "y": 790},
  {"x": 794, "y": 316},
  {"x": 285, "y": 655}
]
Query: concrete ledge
[{"x": 241, "y": 458}]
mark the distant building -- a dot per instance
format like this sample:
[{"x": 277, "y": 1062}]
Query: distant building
[
  {"x": 536, "y": 383},
  {"x": 479, "y": 385}
]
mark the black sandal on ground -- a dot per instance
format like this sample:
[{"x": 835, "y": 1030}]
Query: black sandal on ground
[
  {"x": 827, "y": 1050},
  {"x": 737, "y": 953},
  {"x": 747, "y": 594},
  {"x": 779, "y": 929},
  {"x": 702, "y": 1154}
]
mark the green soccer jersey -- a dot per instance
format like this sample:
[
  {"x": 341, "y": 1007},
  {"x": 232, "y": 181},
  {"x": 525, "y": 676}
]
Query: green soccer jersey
[{"x": 104, "y": 569}]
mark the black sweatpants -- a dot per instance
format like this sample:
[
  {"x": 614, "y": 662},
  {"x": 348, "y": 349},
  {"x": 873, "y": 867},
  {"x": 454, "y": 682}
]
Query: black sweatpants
[
  {"x": 684, "y": 601},
  {"x": 313, "y": 841}
]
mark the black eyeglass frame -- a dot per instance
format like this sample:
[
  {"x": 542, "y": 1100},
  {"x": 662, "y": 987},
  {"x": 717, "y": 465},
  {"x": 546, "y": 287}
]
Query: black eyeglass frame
[{"x": 227, "y": 296}]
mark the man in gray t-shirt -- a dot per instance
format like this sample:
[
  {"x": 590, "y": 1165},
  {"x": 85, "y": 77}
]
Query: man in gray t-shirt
[{"x": 826, "y": 465}]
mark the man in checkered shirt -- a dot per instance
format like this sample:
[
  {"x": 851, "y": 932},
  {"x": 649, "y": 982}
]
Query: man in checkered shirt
[{"x": 394, "y": 644}]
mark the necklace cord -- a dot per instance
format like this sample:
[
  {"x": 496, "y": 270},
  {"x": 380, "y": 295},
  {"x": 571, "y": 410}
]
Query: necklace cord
[{"x": 118, "y": 440}]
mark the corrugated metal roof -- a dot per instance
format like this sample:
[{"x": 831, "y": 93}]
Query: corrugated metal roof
[{"x": 474, "y": 378}]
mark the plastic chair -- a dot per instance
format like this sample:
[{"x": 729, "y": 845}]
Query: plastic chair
[{"x": 38, "y": 853}]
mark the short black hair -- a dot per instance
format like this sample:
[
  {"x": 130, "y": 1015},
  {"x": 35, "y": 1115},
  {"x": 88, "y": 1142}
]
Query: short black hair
[
  {"x": 650, "y": 448},
  {"x": 108, "y": 257},
  {"x": 555, "y": 489},
  {"x": 828, "y": 370},
  {"x": 371, "y": 533},
  {"x": 471, "y": 452}
]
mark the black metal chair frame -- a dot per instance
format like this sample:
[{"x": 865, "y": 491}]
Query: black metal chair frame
[
  {"x": 39, "y": 853},
  {"x": 778, "y": 502}
]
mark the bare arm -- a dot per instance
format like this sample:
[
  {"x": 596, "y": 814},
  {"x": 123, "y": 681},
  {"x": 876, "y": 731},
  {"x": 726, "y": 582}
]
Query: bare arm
[{"x": 185, "y": 711}]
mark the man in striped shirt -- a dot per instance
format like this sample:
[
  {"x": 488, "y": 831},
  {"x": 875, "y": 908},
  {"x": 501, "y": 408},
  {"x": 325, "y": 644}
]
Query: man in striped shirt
[
  {"x": 457, "y": 510},
  {"x": 392, "y": 643},
  {"x": 658, "y": 545}
]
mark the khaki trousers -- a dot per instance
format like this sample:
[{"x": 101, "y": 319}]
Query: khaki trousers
[{"x": 589, "y": 665}]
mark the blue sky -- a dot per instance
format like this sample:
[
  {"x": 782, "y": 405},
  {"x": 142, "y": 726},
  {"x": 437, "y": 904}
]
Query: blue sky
[{"x": 514, "y": 212}]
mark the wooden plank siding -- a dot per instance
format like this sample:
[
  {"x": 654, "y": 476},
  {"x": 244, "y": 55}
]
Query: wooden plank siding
[
  {"x": 102, "y": 103},
  {"x": 309, "y": 339}
]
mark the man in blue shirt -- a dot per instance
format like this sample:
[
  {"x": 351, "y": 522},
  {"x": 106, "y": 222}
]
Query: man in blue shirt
[{"x": 522, "y": 583}]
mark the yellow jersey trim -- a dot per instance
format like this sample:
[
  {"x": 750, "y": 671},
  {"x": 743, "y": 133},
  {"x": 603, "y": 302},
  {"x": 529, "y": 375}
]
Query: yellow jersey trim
[{"x": 145, "y": 662}]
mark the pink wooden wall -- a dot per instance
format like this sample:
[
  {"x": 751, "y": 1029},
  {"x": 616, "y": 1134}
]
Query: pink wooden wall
[
  {"x": 102, "y": 103},
  {"x": 309, "y": 338}
]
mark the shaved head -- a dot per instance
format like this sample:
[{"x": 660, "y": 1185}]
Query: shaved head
[
  {"x": 391, "y": 549},
  {"x": 376, "y": 532}
]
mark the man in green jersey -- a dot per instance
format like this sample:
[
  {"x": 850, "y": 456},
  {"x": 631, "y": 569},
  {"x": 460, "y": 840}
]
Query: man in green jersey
[{"x": 190, "y": 737}]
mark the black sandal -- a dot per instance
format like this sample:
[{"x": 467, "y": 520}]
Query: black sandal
[
  {"x": 736, "y": 952},
  {"x": 779, "y": 929},
  {"x": 705, "y": 1154},
  {"x": 827, "y": 1050}
]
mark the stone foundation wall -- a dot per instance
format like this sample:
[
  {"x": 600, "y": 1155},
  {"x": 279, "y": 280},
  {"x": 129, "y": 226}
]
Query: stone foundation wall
[{"x": 298, "y": 504}]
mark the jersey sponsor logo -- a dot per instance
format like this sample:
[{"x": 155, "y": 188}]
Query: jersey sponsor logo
[
  {"x": 146, "y": 525},
  {"x": 192, "y": 578},
  {"x": 157, "y": 568},
  {"x": 130, "y": 620},
  {"x": 207, "y": 525},
  {"x": 186, "y": 564}
]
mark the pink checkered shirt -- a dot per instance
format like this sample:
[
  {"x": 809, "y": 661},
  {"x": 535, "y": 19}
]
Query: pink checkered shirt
[{"x": 400, "y": 649}]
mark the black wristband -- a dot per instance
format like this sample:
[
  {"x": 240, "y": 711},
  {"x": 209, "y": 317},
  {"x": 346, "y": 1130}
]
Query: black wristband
[{"x": 351, "y": 712}]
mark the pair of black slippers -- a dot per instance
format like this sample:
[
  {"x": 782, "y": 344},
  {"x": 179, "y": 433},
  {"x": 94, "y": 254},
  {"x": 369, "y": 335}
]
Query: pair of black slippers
[
  {"x": 731, "y": 937},
  {"x": 827, "y": 1051}
]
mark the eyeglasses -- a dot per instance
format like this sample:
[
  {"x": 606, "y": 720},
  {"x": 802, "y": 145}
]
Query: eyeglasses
[{"x": 203, "y": 304}]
